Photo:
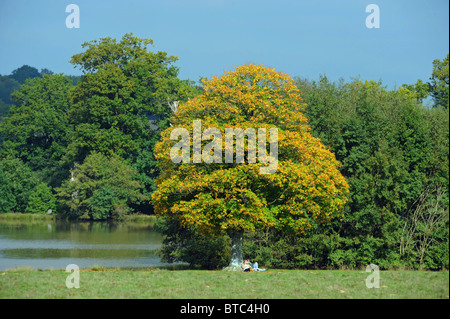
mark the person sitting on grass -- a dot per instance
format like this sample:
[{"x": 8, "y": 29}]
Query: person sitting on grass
[
  {"x": 246, "y": 265},
  {"x": 256, "y": 268}
]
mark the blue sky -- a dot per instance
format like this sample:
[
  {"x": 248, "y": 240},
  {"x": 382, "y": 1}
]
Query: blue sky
[{"x": 300, "y": 38}]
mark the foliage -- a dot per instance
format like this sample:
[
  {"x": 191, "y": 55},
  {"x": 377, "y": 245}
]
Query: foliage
[
  {"x": 440, "y": 81},
  {"x": 20, "y": 180},
  {"x": 74, "y": 79},
  {"x": 438, "y": 87},
  {"x": 7, "y": 198},
  {"x": 393, "y": 153},
  {"x": 123, "y": 84},
  {"x": 392, "y": 149},
  {"x": 307, "y": 188},
  {"x": 7, "y": 86},
  {"x": 122, "y": 102},
  {"x": 4, "y": 109},
  {"x": 36, "y": 129},
  {"x": 41, "y": 199},
  {"x": 420, "y": 90},
  {"x": 383, "y": 145},
  {"x": 101, "y": 187},
  {"x": 425, "y": 228},
  {"x": 12, "y": 82},
  {"x": 25, "y": 72},
  {"x": 101, "y": 202}
]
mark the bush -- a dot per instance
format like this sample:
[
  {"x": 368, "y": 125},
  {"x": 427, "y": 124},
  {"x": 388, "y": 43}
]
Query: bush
[
  {"x": 101, "y": 187},
  {"x": 102, "y": 202},
  {"x": 7, "y": 199},
  {"x": 41, "y": 199},
  {"x": 20, "y": 181}
]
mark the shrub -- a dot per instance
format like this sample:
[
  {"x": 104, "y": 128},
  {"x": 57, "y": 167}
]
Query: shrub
[
  {"x": 41, "y": 199},
  {"x": 101, "y": 187}
]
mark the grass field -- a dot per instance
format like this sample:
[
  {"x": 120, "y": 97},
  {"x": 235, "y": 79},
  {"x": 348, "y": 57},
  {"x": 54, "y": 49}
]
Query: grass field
[{"x": 191, "y": 284}]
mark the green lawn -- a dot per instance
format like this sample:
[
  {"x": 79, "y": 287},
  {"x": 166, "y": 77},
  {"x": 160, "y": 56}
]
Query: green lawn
[{"x": 191, "y": 284}]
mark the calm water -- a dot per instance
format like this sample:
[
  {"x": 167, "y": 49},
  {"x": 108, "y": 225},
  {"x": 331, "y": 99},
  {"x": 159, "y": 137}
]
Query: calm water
[{"x": 58, "y": 244}]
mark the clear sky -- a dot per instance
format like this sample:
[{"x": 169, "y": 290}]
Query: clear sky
[{"x": 301, "y": 38}]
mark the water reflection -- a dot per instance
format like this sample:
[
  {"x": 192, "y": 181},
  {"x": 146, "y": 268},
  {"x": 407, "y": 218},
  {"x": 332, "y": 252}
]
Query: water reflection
[{"x": 55, "y": 245}]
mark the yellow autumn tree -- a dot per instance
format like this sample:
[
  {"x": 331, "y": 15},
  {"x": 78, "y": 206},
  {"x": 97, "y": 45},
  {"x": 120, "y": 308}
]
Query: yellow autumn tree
[{"x": 210, "y": 193}]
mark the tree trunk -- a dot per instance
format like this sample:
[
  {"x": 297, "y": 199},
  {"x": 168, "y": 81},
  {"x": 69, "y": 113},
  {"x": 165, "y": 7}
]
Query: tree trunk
[{"x": 237, "y": 237}]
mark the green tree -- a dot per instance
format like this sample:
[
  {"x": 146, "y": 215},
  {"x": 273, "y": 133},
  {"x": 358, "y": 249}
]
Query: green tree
[
  {"x": 440, "y": 81},
  {"x": 20, "y": 181},
  {"x": 37, "y": 129},
  {"x": 7, "y": 86},
  {"x": 7, "y": 198},
  {"x": 420, "y": 90},
  {"x": 25, "y": 72},
  {"x": 123, "y": 100},
  {"x": 103, "y": 202},
  {"x": 41, "y": 200},
  {"x": 123, "y": 84},
  {"x": 392, "y": 149},
  {"x": 4, "y": 109},
  {"x": 74, "y": 78},
  {"x": 101, "y": 187},
  {"x": 46, "y": 71}
]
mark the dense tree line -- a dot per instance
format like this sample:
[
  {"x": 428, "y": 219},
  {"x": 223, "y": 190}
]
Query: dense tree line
[
  {"x": 84, "y": 147},
  {"x": 394, "y": 154},
  {"x": 90, "y": 144}
]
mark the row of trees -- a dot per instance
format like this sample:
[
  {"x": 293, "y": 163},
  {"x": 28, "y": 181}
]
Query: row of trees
[
  {"x": 394, "y": 154},
  {"x": 362, "y": 175},
  {"x": 90, "y": 144}
]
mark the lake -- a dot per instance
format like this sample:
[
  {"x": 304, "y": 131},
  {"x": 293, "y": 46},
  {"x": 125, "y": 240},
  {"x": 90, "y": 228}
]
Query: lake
[{"x": 56, "y": 244}]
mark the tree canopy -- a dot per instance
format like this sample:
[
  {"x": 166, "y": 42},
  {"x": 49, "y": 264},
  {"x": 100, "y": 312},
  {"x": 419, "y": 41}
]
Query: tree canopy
[
  {"x": 37, "y": 129},
  {"x": 25, "y": 72},
  {"x": 440, "y": 82},
  {"x": 306, "y": 189},
  {"x": 313, "y": 174},
  {"x": 123, "y": 101}
]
